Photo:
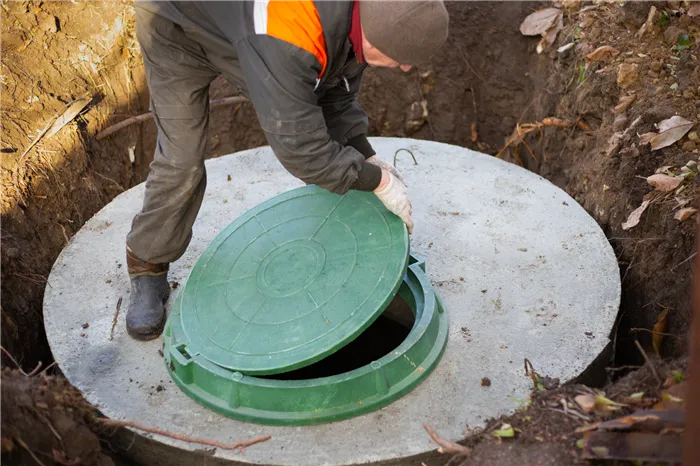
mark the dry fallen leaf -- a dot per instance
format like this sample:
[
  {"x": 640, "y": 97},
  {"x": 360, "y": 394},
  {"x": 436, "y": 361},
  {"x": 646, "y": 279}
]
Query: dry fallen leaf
[
  {"x": 670, "y": 401},
  {"x": 670, "y": 131},
  {"x": 586, "y": 402},
  {"x": 636, "y": 215},
  {"x": 645, "y": 420},
  {"x": 550, "y": 35},
  {"x": 625, "y": 101},
  {"x": 682, "y": 202},
  {"x": 635, "y": 399},
  {"x": 614, "y": 143},
  {"x": 597, "y": 403},
  {"x": 506, "y": 431},
  {"x": 685, "y": 213},
  {"x": 540, "y": 21},
  {"x": 566, "y": 47},
  {"x": 586, "y": 428},
  {"x": 56, "y": 122},
  {"x": 664, "y": 183},
  {"x": 694, "y": 10},
  {"x": 646, "y": 138},
  {"x": 73, "y": 109},
  {"x": 602, "y": 53},
  {"x": 658, "y": 330},
  {"x": 679, "y": 390}
]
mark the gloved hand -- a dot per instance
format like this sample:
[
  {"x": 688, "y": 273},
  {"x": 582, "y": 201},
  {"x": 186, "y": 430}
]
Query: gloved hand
[
  {"x": 393, "y": 193},
  {"x": 374, "y": 160}
]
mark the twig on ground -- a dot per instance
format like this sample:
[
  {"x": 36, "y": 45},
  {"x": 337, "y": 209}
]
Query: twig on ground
[
  {"x": 445, "y": 445},
  {"x": 572, "y": 414},
  {"x": 647, "y": 24},
  {"x": 47, "y": 367},
  {"x": 646, "y": 358},
  {"x": 622, "y": 368},
  {"x": 114, "y": 321},
  {"x": 7, "y": 353},
  {"x": 453, "y": 460},
  {"x": 475, "y": 123},
  {"x": 109, "y": 179},
  {"x": 464, "y": 57},
  {"x": 616, "y": 330},
  {"x": 33, "y": 280},
  {"x": 21, "y": 443},
  {"x": 65, "y": 235},
  {"x": 212, "y": 443},
  {"x": 638, "y": 329},
  {"x": 35, "y": 371},
  {"x": 147, "y": 116},
  {"x": 686, "y": 260},
  {"x": 522, "y": 130},
  {"x": 52, "y": 428}
]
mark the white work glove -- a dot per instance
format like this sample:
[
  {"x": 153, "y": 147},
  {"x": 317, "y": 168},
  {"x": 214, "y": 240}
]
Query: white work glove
[
  {"x": 374, "y": 160},
  {"x": 394, "y": 196}
]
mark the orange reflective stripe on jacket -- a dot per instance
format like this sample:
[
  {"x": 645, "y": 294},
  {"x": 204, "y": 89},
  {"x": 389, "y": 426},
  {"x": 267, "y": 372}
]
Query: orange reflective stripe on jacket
[{"x": 295, "y": 22}]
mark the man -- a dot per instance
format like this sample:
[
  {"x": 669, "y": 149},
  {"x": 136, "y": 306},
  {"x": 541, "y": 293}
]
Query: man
[{"x": 301, "y": 64}]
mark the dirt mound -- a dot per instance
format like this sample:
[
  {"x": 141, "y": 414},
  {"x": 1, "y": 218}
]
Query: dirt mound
[
  {"x": 45, "y": 420},
  {"x": 53, "y": 54},
  {"x": 603, "y": 169}
]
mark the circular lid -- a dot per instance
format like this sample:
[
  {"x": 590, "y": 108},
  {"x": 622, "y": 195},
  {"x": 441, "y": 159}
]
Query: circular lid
[
  {"x": 324, "y": 394},
  {"x": 293, "y": 280}
]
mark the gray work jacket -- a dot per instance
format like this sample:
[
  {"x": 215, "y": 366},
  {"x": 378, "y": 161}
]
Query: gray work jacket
[{"x": 297, "y": 66}]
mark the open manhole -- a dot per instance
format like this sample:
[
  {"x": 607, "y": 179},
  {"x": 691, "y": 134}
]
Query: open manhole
[
  {"x": 282, "y": 319},
  {"x": 384, "y": 335}
]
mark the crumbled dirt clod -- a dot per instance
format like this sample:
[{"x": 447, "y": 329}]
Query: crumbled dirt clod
[
  {"x": 689, "y": 146},
  {"x": 671, "y": 34},
  {"x": 48, "y": 23},
  {"x": 627, "y": 74},
  {"x": 620, "y": 122}
]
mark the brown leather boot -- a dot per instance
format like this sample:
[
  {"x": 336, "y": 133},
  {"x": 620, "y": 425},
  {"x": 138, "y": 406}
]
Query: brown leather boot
[{"x": 145, "y": 318}]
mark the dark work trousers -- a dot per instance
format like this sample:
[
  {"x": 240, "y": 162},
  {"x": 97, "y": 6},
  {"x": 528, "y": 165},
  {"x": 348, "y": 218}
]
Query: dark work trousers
[{"x": 180, "y": 63}]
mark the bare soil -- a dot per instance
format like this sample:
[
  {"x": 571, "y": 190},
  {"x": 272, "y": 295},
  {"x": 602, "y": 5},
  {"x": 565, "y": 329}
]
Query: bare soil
[
  {"x": 45, "y": 420},
  {"x": 486, "y": 80}
]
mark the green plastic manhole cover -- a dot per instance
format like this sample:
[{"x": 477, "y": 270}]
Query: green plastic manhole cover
[
  {"x": 322, "y": 399},
  {"x": 293, "y": 280}
]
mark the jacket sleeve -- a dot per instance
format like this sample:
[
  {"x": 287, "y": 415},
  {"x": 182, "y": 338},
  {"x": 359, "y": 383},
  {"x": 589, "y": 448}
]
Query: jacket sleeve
[
  {"x": 281, "y": 78},
  {"x": 346, "y": 120}
]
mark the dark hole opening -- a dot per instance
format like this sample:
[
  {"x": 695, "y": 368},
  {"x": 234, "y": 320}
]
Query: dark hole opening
[{"x": 383, "y": 336}]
